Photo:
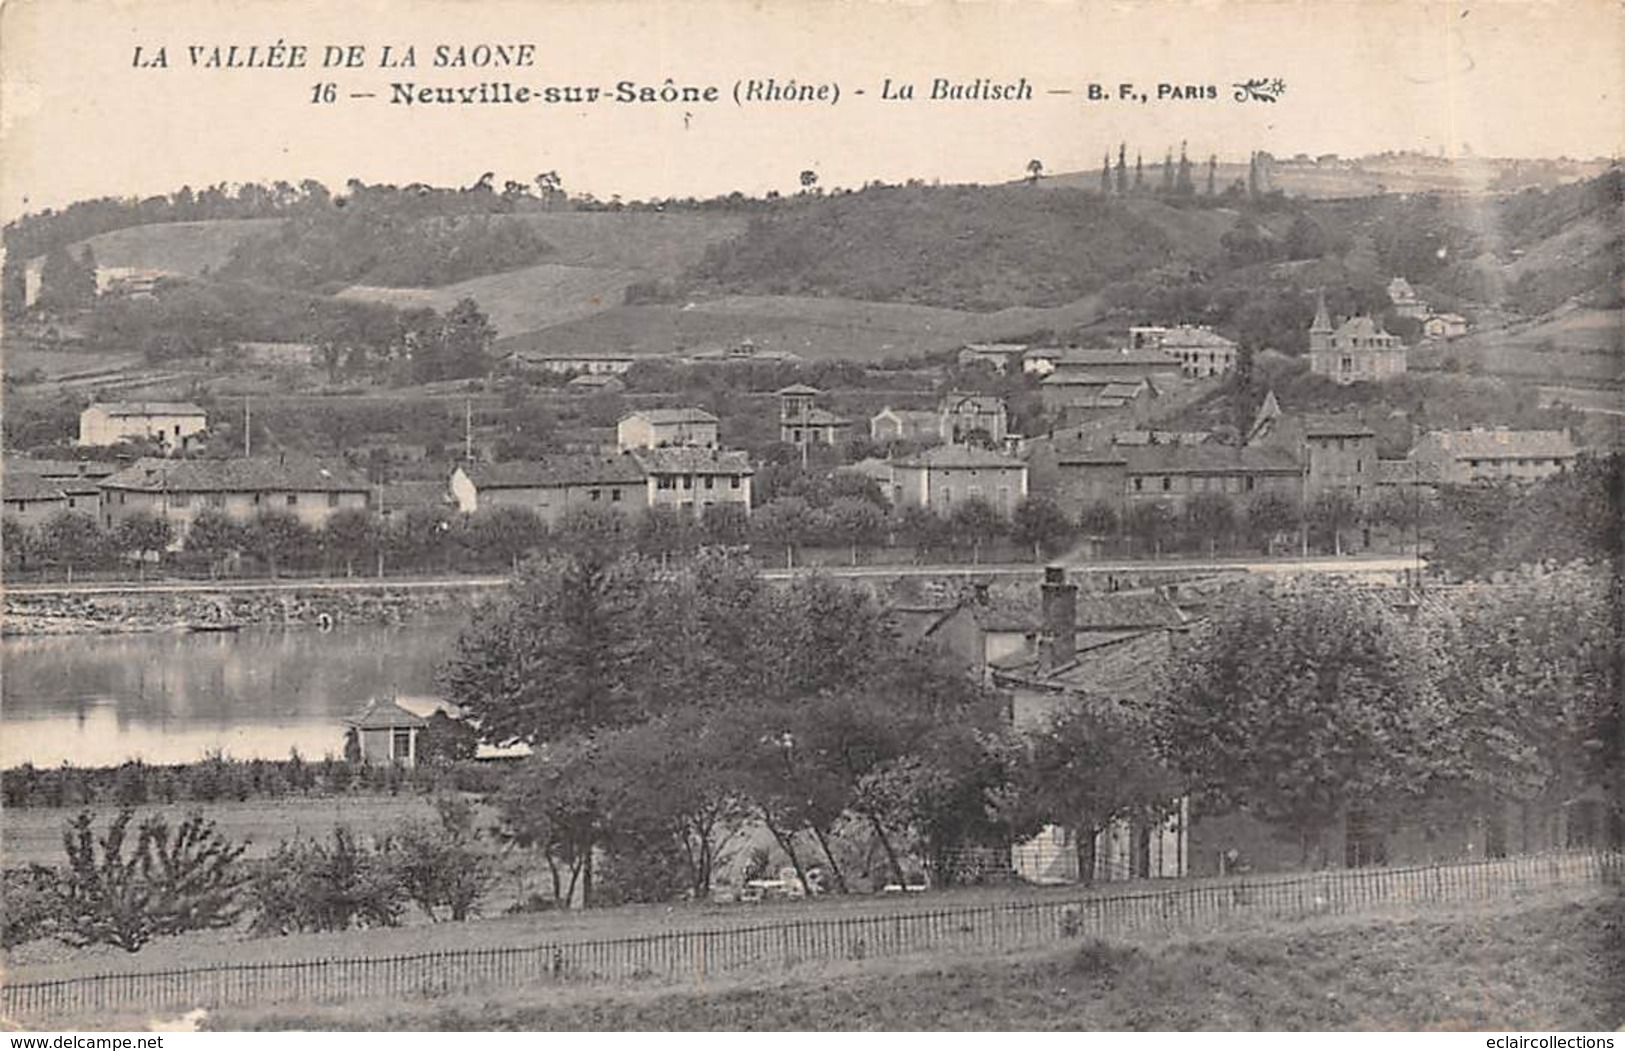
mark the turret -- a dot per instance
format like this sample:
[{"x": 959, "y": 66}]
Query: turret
[{"x": 1320, "y": 330}]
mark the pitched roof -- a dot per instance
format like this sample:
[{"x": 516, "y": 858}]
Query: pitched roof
[
  {"x": 1193, "y": 336},
  {"x": 393, "y": 496},
  {"x": 555, "y": 471},
  {"x": 236, "y": 476},
  {"x": 973, "y": 403},
  {"x": 689, "y": 415},
  {"x": 1120, "y": 668},
  {"x": 1097, "y": 358},
  {"x": 1361, "y": 327},
  {"x": 1160, "y": 437},
  {"x": 816, "y": 417},
  {"x": 1503, "y": 444},
  {"x": 149, "y": 408},
  {"x": 1210, "y": 459},
  {"x": 1127, "y": 611},
  {"x": 679, "y": 460},
  {"x": 384, "y": 715},
  {"x": 30, "y": 487},
  {"x": 1411, "y": 471},
  {"x": 798, "y": 388},
  {"x": 1342, "y": 425},
  {"x": 960, "y": 456},
  {"x": 61, "y": 468}
]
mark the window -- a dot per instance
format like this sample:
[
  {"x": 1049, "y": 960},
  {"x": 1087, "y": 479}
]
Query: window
[
  {"x": 256, "y": 499},
  {"x": 614, "y": 496},
  {"x": 332, "y": 499},
  {"x": 1359, "y": 465},
  {"x": 72, "y": 503},
  {"x": 215, "y": 499},
  {"x": 1167, "y": 484},
  {"x": 710, "y": 482},
  {"x": 400, "y": 744},
  {"x": 1139, "y": 485},
  {"x": 179, "y": 499},
  {"x": 1249, "y": 483},
  {"x": 666, "y": 481},
  {"x": 688, "y": 481},
  {"x": 293, "y": 499},
  {"x": 593, "y": 494},
  {"x": 733, "y": 481},
  {"x": 121, "y": 499}
]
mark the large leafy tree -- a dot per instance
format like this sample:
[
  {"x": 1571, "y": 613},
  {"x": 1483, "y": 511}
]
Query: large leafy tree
[
  {"x": 1039, "y": 523},
  {"x": 1091, "y": 766},
  {"x": 560, "y": 654},
  {"x": 1300, "y": 702},
  {"x": 1531, "y": 672}
]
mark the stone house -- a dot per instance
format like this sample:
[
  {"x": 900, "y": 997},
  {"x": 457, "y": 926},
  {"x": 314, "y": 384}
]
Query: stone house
[
  {"x": 172, "y": 425},
  {"x": 905, "y": 425},
  {"x": 802, "y": 422},
  {"x": 653, "y": 428},
  {"x": 964, "y": 415},
  {"x": 1445, "y": 326},
  {"x": 1201, "y": 352},
  {"x": 998, "y": 355},
  {"x": 1498, "y": 455},
  {"x": 553, "y": 487},
  {"x": 946, "y": 476},
  {"x": 1172, "y": 474},
  {"x": 1357, "y": 351},
  {"x": 692, "y": 479},
  {"x": 242, "y": 489}
]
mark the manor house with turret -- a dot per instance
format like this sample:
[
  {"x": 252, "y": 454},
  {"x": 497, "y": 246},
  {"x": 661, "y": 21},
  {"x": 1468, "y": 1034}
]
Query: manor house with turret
[{"x": 1357, "y": 351}]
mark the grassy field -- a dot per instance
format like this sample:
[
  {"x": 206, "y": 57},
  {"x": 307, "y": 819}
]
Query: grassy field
[
  {"x": 1553, "y": 963},
  {"x": 190, "y": 249},
  {"x": 34, "y": 834}
]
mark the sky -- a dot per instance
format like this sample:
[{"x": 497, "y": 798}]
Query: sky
[{"x": 78, "y": 119}]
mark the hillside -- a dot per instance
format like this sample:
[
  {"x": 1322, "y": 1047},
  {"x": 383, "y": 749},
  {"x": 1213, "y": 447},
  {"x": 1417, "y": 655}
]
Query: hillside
[
  {"x": 973, "y": 248},
  {"x": 184, "y": 249},
  {"x": 593, "y": 258}
]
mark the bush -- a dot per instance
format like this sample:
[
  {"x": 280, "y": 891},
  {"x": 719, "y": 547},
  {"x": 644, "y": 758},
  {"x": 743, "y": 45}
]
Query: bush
[
  {"x": 30, "y": 906},
  {"x": 333, "y": 886},
  {"x": 170, "y": 882}
]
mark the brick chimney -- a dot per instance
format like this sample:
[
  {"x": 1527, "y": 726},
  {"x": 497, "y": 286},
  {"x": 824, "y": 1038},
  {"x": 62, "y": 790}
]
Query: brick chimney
[{"x": 1058, "y": 642}]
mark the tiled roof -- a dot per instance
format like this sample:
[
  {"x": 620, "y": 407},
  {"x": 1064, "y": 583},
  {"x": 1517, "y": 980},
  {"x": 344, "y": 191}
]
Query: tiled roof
[
  {"x": 673, "y": 415},
  {"x": 678, "y": 460},
  {"x": 1160, "y": 437},
  {"x": 393, "y": 496},
  {"x": 1122, "y": 669},
  {"x": 1362, "y": 327},
  {"x": 816, "y": 417},
  {"x": 555, "y": 471},
  {"x": 1080, "y": 379},
  {"x": 1096, "y": 358},
  {"x": 1502, "y": 444},
  {"x": 149, "y": 408},
  {"x": 1346, "y": 426},
  {"x": 236, "y": 476},
  {"x": 1210, "y": 459},
  {"x": 384, "y": 715},
  {"x": 917, "y": 416},
  {"x": 1193, "y": 336},
  {"x": 798, "y": 388},
  {"x": 30, "y": 487},
  {"x": 1126, "y": 611},
  {"x": 61, "y": 468},
  {"x": 961, "y": 456}
]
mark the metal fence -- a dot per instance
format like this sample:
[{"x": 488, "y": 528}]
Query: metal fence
[{"x": 1042, "y": 919}]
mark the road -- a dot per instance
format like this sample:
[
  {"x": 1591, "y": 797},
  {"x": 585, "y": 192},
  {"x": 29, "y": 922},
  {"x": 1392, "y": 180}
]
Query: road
[{"x": 1361, "y": 565}]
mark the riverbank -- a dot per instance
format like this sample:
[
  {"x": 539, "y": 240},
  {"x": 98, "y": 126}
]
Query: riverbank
[{"x": 113, "y": 609}]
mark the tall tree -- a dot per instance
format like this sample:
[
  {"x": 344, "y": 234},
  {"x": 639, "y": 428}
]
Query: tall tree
[
  {"x": 1122, "y": 167},
  {"x": 559, "y": 654},
  {"x": 1299, "y": 702}
]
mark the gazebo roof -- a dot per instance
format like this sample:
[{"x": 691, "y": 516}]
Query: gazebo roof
[{"x": 385, "y": 715}]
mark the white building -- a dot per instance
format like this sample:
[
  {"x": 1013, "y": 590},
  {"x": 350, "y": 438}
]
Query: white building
[
  {"x": 170, "y": 424},
  {"x": 653, "y": 428}
]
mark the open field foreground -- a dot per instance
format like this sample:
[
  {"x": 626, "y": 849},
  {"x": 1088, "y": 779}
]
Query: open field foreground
[
  {"x": 808, "y": 940},
  {"x": 1552, "y": 962}
]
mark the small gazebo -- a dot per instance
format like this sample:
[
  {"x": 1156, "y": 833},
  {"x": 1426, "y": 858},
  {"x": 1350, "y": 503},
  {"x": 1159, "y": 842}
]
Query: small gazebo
[{"x": 386, "y": 733}]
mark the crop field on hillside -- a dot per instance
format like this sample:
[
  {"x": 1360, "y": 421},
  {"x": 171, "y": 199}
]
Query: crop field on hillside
[{"x": 188, "y": 249}]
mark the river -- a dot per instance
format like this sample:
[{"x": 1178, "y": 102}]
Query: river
[{"x": 172, "y": 697}]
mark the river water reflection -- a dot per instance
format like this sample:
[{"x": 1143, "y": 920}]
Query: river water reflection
[{"x": 95, "y": 700}]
